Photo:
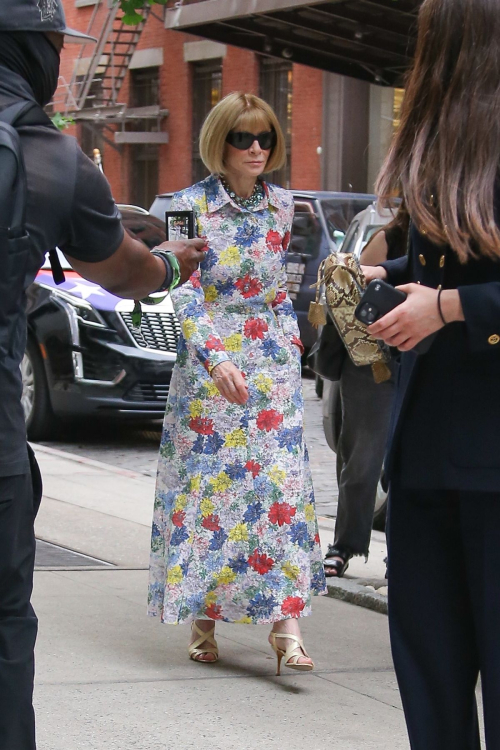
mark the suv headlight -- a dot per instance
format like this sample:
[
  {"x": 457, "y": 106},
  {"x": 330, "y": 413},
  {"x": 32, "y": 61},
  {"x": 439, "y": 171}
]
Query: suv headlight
[{"x": 84, "y": 311}]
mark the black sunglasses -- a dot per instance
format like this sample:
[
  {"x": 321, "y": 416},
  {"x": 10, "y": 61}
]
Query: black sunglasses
[{"x": 243, "y": 140}]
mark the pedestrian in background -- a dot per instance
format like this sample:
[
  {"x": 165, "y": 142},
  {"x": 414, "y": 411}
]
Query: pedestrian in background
[
  {"x": 68, "y": 205},
  {"x": 363, "y": 408},
  {"x": 235, "y": 534},
  {"x": 444, "y": 462}
]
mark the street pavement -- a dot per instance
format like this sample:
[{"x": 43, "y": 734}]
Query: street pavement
[{"x": 109, "y": 677}]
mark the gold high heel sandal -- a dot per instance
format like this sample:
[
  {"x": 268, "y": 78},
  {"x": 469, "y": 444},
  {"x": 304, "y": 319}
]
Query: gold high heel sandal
[
  {"x": 293, "y": 653},
  {"x": 194, "y": 649}
]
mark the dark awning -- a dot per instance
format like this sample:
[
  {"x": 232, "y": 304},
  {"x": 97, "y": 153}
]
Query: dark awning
[{"x": 368, "y": 39}]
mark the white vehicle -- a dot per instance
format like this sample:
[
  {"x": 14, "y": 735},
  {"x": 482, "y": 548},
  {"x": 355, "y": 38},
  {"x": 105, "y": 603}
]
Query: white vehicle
[{"x": 364, "y": 226}]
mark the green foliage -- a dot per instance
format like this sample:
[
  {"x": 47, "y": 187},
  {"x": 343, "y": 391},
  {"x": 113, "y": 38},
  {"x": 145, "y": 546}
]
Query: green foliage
[
  {"x": 62, "y": 122},
  {"x": 131, "y": 9}
]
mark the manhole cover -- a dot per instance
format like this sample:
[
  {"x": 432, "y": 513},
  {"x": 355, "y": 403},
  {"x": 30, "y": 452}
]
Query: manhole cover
[{"x": 51, "y": 556}]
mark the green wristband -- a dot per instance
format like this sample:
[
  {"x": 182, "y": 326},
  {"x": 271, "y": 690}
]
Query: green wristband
[
  {"x": 175, "y": 268},
  {"x": 137, "y": 311}
]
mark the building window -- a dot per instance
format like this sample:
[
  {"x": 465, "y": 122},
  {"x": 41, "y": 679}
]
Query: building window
[
  {"x": 207, "y": 92},
  {"x": 276, "y": 79},
  {"x": 145, "y": 87},
  {"x": 144, "y": 161}
]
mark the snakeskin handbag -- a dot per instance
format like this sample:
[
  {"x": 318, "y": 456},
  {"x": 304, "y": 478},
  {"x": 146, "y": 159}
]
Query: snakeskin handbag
[{"x": 344, "y": 283}]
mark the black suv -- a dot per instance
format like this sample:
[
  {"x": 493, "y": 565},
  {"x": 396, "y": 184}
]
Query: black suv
[{"x": 83, "y": 355}]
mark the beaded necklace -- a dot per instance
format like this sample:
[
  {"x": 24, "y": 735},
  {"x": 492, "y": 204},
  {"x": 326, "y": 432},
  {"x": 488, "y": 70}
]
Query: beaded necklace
[{"x": 249, "y": 203}]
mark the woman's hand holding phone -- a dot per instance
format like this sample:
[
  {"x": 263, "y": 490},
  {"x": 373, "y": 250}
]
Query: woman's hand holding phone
[
  {"x": 412, "y": 321},
  {"x": 231, "y": 383}
]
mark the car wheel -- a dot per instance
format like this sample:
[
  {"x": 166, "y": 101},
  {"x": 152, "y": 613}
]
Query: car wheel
[{"x": 40, "y": 419}]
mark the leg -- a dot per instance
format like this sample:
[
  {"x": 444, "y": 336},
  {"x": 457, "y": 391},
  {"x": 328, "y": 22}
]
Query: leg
[
  {"x": 366, "y": 408},
  {"x": 481, "y": 533},
  {"x": 19, "y": 499},
  {"x": 431, "y": 620}
]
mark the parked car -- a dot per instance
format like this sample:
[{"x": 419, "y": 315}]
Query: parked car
[
  {"x": 362, "y": 228},
  {"x": 84, "y": 357},
  {"x": 320, "y": 222}
]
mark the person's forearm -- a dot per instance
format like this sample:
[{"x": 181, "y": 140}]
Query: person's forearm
[
  {"x": 451, "y": 306},
  {"x": 143, "y": 275}
]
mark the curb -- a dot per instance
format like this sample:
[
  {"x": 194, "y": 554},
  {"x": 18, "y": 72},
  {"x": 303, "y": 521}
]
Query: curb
[{"x": 358, "y": 594}]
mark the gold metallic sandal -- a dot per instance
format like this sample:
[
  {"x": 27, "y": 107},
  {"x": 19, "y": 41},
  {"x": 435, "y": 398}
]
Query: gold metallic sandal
[
  {"x": 293, "y": 653},
  {"x": 194, "y": 649}
]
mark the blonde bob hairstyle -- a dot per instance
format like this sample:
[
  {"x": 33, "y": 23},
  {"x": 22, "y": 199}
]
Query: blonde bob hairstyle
[{"x": 239, "y": 111}]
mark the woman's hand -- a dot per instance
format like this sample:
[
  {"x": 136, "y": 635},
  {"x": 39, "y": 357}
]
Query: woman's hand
[
  {"x": 374, "y": 272},
  {"x": 230, "y": 382},
  {"x": 412, "y": 321}
]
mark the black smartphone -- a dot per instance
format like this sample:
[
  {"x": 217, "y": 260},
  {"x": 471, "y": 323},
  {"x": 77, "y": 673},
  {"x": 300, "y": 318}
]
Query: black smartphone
[
  {"x": 180, "y": 225},
  {"x": 378, "y": 299}
]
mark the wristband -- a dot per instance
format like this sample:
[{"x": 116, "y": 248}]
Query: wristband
[
  {"x": 439, "y": 308},
  {"x": 169, "y": 270},
  {"x": 176, "y": 269},
  {"x": 172, "y": 279}
]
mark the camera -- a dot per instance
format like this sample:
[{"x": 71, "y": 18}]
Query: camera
[{"x": 368, "y": 313}]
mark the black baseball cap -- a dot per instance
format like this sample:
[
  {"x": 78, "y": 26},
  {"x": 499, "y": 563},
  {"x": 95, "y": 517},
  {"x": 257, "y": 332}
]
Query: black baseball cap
[{"x": 38, "y": 15}]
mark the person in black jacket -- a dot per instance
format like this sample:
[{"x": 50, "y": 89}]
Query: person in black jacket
[
  {"x": 444, "y": 458},
  {"x": 69, "y": 205}
]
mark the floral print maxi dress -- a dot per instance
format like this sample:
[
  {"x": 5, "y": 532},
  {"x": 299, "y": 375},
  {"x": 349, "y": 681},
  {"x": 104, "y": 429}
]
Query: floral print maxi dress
[{"x": 235, "y": 534}]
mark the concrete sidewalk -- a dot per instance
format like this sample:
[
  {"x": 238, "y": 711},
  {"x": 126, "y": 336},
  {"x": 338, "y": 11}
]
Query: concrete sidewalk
[{"x": 109, "y": 677}]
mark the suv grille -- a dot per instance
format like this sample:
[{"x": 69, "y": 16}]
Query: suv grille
[
  {"x": 148, "y": 392},
  {"x": 158, "y": 331}
]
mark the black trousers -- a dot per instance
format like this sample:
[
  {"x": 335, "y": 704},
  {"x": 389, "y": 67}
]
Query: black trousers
[
  {"x": 19, "y": 500},
  {"x": 444, "y": 614},
  {"x": 361, "y": 444}
]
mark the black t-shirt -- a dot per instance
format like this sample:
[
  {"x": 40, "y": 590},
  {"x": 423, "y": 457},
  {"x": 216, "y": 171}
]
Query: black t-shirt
[{"x": 69, "y": 205}]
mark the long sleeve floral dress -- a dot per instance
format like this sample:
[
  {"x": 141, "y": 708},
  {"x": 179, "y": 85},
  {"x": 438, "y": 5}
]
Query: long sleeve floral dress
[{"x": 235, "y": 534}]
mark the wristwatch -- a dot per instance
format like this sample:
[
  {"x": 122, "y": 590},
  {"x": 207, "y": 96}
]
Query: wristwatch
[{"x": 172, "y": 270}]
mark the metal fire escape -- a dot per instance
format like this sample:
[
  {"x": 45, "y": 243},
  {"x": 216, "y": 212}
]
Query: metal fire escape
[{"x": 92, "y": 96}]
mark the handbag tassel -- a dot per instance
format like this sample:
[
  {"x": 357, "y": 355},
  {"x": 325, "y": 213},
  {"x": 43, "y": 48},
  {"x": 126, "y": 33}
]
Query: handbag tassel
[
  {"x": 317, "y": 315},
  {"x": 381, "y": 372}
]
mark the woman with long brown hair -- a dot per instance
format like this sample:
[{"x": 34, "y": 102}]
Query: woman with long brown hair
[{"x": 444, "y": 460}]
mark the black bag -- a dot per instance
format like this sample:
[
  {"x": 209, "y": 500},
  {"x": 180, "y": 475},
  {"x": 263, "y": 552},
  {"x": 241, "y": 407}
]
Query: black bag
[
  {"x": 13, "y": 187},
  {"x": 327, "y": 353}
]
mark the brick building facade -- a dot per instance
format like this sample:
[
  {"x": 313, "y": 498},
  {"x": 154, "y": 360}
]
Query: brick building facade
[{"x": 328, "y": 120}]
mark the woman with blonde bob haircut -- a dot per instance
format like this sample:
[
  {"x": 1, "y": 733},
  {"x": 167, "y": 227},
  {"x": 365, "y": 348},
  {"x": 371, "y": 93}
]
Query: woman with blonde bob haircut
[
  {"x": 235, "y": 534},
  {"x": 244, "y": 112}
]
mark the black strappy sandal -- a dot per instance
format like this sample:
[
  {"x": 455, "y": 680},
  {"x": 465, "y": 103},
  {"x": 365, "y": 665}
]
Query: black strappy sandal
[{"x": 335, "y": 568}]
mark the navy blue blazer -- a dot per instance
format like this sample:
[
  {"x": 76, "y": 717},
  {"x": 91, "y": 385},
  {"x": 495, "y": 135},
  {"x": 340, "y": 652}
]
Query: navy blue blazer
[{"x": 445, "y": 430}]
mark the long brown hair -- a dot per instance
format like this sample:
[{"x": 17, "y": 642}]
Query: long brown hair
[{"x": 445, "y": 157}]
